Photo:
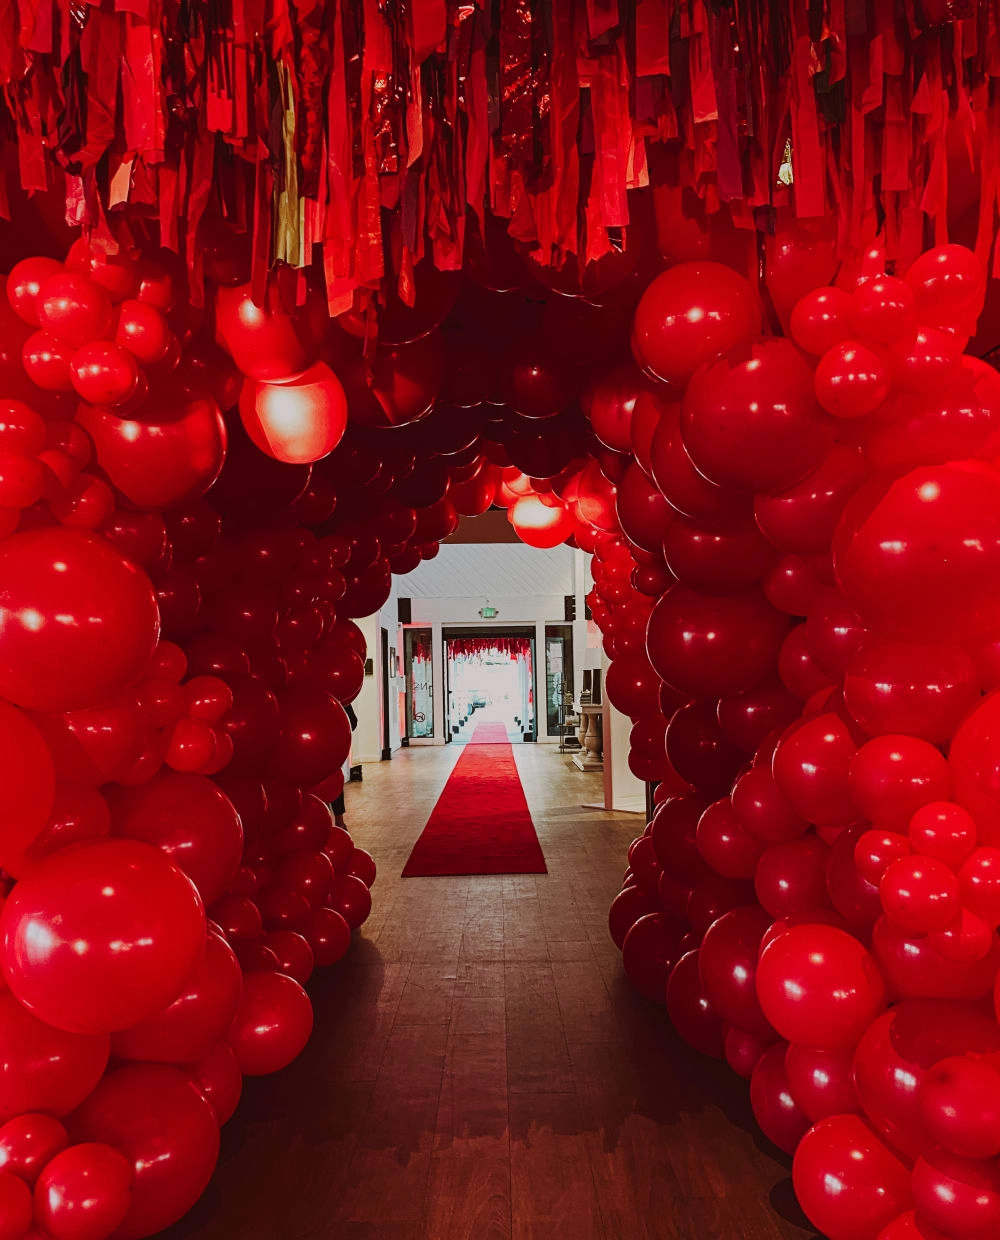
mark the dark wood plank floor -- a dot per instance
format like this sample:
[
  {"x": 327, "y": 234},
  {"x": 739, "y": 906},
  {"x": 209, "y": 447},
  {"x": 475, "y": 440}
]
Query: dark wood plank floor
[{"x": 481, "y": 1069}]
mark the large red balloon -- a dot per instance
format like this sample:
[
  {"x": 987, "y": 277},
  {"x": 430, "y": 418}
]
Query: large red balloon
[
  {"x": 819, "y": 987},
  {"x": 99, "y": 936},
  {"x": 299, "y": 420},
  {"x": 171, "y": 453},
  {"x": 267, "y": 342},
  {"x": 847, "y": 1181},
  {"x": 920, "y": 689},
  {"x": 751, "y": 421},
  {"x": 919, "y": 557},
  {"x": 191, "y": 820},
  {"x": 728, "y": 964},
  {"x": 692, "y": 314},
  {"x": 166, "y": 1129},
  {"x": 42, "y": 1068},
  {"x": 650, "y": 950},
  {"x": 84, "y": 1193},
  {"x": 272, "y": 1023},
  {"x": 198, "y": 1017},
  {"x": 78, "y": 622},
  {"x": 712, "y": 646},
  {"x": 315, "y": 736}
]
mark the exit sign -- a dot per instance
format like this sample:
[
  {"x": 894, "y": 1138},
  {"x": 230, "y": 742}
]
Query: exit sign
[{"x": 489, "y": 613}]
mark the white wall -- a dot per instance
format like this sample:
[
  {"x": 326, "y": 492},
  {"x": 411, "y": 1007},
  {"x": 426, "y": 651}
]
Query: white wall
[{"x": 527, "y": 586}]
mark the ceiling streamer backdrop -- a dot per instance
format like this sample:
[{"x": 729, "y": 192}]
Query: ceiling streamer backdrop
[{"x": 383, "y": 131}]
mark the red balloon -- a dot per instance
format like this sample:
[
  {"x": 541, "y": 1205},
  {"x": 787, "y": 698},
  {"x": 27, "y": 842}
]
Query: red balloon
[
  {"x": 626, "y": 909},
  {"x": 959, "y": 1195},
  {"x": 822, "y": 1082},
  {"x": 84, "y": 1193},
  {"x": 821, "y": 319},
  {"x": 632, "y": 686},
  {"x": 673, "y": 833},
  {"x": 315, "y": 736},
  {"x": 15, "y": 1207},
  {"x": 728, "y": 965},
  {"x": 27, "y": 775},
  {"x": 919, "y": 557},
  {"x": 689, "y": 1010},
  {"x": 294, "y": 954},
  {"x": 960, "y": 1106},
  {"x": 763, "y": 810},
  {"x": 329, "y": 936},
  {"x": 949, "y": 285},
  {"x": 923, "y": 690},
  {"x": 920, "y": 894},
  {"x": 199, "y": 1016},
  {"x": 893, "y": 776},
  {"x": 943, "y": 830},
  {"x": 685, "y": 489},
  {"x": 142, "y": 329},
  {"x": 974, "y": 759},
  {"x": 78, "y": 622},
  {"x": 711, "y": 646},
  {"x": 98, "y": 745},
  {"x": 272, "y": 1024},
  {"x": 803, "y": 518},
  {"x": 914, "y": 966},
  {"x": 884, "y": 309},
  {"x": 853, "y": 379},
  {"x": 609, "y": 402},
  {"x": 28, "y": 1142},
  {"x": 811, "y": 766},
  {"x": 218, "y": 1078},
  {"x": 539, "y": 525},
  {"x": 44, "y": 1069},
  {"x": 689, "y": 315},
  {"x": 165, "y": 1128},
  {"x": 849, "y": 1184},
  {"x": 298, "y": 420},
  {"x": 73, "y": 309},
  {"x": 170, "y": 453},
  {"x": 309, "y": 872},
  {"x": 747, "y": 718},
  {"x": 743, "y": 1051},
  {"x": 751, "y": 421},
  {"x": 781, "y": 1119},
  {"x": 24, "y": 283},
  {"x": 105, "y": 374},
  {"x": 720, "y": 558},
  {"x": 980, "y": 884},
  {"x": 791, "y": 878},
  {"x": 725, "y": 843},
  {"x": 141, "y": 921},
  {"x": 819, "y": 987},
  {"x": 698, "y": 752},
  {"x": 650, "y": 950},
  {"x": 191, "y": 820},
  {"x": 351, "y": 898},
  {"x": 267, "y": 342}
]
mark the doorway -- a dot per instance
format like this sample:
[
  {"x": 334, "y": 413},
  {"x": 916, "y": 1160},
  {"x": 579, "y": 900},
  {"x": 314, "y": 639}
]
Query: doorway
[
  {"x": 386, "y": 726},
  {"x": 490, "y": 677}
]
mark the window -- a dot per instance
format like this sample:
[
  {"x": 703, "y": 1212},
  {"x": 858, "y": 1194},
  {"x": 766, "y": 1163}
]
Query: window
[
  {"x": 558, "y": 672},
  {"x": 418, "y": 667}
]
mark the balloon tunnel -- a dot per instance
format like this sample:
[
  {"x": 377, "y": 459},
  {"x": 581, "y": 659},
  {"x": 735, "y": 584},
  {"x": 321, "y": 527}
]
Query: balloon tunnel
[{"x": 703, "y": 291}]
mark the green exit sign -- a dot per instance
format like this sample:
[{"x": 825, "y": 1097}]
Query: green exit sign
[{"x": 489, "y": 613}]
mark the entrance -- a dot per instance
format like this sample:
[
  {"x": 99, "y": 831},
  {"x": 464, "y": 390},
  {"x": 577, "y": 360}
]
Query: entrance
[{"x": 490, "y": 677}]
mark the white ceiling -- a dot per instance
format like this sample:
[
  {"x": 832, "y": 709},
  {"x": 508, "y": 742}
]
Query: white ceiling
[{"x": 490, "y": 570}]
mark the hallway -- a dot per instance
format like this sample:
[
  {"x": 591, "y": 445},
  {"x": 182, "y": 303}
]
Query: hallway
[{"x": 481, "y": 1069}]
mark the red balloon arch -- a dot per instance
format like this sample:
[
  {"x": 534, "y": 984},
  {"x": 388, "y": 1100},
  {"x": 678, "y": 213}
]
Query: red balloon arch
[{"x": 785, "y": 464}]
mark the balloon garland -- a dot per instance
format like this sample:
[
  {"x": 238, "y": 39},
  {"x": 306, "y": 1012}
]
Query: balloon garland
[
  {"x": 794, "y": 544},
  {"x": 173, "y": 673}
]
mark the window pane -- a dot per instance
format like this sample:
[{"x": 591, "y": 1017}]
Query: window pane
[
  {"x": 558, "y": 671},
  {"x": 418, "y": 667}
]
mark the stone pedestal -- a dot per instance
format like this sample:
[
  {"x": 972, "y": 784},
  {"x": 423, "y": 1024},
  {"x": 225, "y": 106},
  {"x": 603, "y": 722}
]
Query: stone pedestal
[{"x": 591, "y": 733}]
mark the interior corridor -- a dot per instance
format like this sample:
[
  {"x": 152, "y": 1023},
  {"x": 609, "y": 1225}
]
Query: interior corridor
[{"x": 480, "y": 1067}]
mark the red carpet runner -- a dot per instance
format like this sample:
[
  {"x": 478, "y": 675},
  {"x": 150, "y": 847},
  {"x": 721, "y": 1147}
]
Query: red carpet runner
[
  {"x": 489, "y": 734},
  {"x": 481, "y": 823}
]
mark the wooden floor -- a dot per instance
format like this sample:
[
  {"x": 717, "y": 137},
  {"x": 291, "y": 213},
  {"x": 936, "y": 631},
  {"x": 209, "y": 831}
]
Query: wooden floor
[{"x": 480, "y": 1068}]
